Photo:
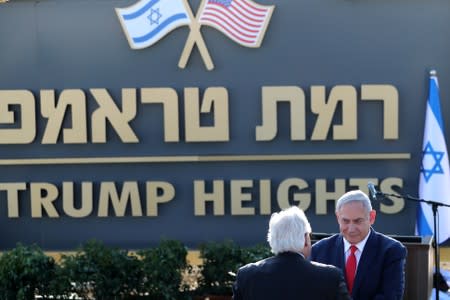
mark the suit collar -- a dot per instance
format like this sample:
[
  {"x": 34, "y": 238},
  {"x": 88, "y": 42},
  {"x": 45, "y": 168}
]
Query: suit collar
[{"x": 340, "y": 256}]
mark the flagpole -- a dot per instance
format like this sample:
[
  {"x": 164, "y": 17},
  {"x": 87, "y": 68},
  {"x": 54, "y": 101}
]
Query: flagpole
[
  {"x": 434, "y": 208},
  {"x": 437, "y": 259}
]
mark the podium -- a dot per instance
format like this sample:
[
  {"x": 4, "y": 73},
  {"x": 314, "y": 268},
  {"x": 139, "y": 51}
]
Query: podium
[{"x": 419, "y": 266}]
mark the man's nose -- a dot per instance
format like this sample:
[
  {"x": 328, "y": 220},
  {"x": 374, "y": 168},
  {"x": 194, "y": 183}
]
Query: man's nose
[{"x": 351, "y": 227}]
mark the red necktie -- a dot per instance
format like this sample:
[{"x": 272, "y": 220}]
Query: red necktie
[{"x": 350, "y": 268}]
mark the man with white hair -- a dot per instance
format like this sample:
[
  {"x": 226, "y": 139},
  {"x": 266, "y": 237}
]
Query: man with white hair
[
  {"x": 288, "y": 274},
  {"x": 373, "y": 263}
]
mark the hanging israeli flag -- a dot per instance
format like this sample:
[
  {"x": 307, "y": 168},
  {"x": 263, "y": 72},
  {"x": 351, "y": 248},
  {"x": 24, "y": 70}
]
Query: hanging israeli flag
[
  {"x": 147, "y": 21},
  {"x": 434, "y": 181}
]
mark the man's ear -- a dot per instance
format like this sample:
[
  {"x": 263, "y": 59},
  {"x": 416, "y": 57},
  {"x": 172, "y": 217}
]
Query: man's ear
[
  {"x": 307, "y": 247},
  {"x": 372, "y": 216},
  {"x": 307, "y": 239}
]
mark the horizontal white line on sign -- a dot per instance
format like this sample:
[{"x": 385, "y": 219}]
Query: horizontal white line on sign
[{"x": 203, "y": 158}]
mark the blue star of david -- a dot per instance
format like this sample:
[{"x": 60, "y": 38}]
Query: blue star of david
[
  {"x": 154, "y": 16},
  {"x": 431, "y": 162}
]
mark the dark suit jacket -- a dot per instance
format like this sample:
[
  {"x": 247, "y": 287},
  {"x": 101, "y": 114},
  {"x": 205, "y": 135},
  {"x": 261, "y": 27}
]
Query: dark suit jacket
[
  {"x": 381, "y": 269},
  {"x": 289, "y": 276}
]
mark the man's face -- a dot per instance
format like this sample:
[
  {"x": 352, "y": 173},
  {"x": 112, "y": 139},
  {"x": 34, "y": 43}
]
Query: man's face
[{"x": 354, "y": 221}]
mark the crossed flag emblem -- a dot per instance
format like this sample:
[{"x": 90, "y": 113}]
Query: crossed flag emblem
[{"x": 147, "y": 21}]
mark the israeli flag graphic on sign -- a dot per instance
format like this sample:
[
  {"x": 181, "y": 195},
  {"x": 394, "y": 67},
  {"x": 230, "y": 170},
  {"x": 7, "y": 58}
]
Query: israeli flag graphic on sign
[{"x": 147, "y": 21}]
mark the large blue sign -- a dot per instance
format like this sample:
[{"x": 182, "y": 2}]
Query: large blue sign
[{"x": 133, "y": 121}]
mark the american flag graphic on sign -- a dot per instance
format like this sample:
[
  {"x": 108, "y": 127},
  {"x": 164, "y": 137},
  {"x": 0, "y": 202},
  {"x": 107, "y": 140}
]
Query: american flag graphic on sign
[{"x": 243, "y": 21}]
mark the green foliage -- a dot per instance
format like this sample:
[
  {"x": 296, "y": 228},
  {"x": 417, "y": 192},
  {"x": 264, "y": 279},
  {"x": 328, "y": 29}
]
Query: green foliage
[
  {"x": 255, "y": 253},
  {"x": 221, "y": 260},
  {"x": 163, "y": 267},
  {"x": 25, "y": 271},
  {"x": 99, "y": 272},
  {"x": 218, "y": 260}
]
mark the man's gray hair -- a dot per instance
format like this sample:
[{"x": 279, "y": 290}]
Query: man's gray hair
[
  {"x": 354, "y": 196},
  {"x": 287, "y": 230}
]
